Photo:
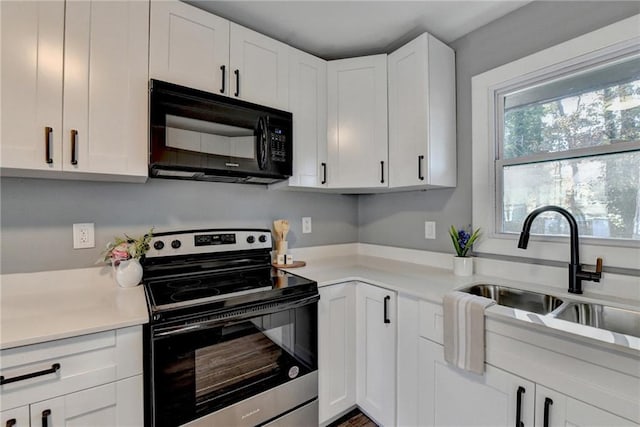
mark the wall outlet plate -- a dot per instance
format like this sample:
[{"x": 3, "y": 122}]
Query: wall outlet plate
[
  {"x": 306, "y": 225},
  {"x": 429, "y": 229},
  {"x": 84, "y": 236}
]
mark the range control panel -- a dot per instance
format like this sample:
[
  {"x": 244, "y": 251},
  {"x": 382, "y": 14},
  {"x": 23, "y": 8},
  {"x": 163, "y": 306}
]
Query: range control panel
[{"x": 208, "y": 241}]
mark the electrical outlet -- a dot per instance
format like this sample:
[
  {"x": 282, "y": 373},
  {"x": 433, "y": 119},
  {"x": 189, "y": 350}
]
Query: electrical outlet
[
  {"x": 429, "y": 230},
  {"x": 306, "y": 225},
  {"x": 83, "y": 236}
]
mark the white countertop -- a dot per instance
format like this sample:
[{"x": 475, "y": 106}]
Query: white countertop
[
  {"x": 44, "y": 306},
  {"x": 431, "y": 284}
]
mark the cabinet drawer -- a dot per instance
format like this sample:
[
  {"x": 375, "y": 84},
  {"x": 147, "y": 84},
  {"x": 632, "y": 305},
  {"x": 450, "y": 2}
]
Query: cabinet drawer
[
  {"x": 45, "y": 370},
  {"x": 431, "y": 321}
]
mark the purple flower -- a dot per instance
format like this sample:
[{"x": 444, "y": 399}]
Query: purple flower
[{"x": 463, "y": 238}]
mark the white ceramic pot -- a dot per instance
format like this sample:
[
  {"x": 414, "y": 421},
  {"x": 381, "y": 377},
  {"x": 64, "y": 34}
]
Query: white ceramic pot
[
  {"x": 129, "y": 273},
  {"x": 462, "y": 266}
]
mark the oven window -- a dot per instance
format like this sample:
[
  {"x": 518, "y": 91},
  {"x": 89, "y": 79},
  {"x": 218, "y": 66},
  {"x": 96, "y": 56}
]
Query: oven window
[{"x": 199, "y": 372}]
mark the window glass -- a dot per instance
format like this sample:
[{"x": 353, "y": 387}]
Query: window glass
[{"x": 574, "y": 142}]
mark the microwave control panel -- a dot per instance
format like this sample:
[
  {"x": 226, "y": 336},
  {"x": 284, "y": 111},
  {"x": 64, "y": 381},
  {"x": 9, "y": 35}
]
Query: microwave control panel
[{"x": 278, "y": 144}]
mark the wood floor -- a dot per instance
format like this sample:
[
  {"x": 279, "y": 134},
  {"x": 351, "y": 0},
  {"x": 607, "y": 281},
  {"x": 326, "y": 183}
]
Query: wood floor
[{"x": 354, "y": 418}]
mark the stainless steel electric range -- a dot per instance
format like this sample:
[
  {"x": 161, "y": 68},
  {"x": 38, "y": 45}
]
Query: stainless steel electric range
[{"x": 231, "y": 340}]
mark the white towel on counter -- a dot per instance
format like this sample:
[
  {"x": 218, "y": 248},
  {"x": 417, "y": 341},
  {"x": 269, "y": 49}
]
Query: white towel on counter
[{"x": 464, "y": 330}]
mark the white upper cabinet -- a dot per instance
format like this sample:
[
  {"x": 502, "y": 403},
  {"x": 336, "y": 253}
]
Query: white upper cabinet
[
  {"x": 357, "y": 122},
  {"x": 194, "y": 48},
  {"x": 32, "y": 46},
  {"x": 422, "y": 115},
  {"x": 189, "y": 47},
  {"x": 105, "y": 87},
  {"x": 259, "y": 68},
  {"x": 101, "y": 127},
  {"x": 308, "y": 103}
]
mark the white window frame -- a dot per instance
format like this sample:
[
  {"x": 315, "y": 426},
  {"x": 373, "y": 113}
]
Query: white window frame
[{"x": 609, "y": 41}]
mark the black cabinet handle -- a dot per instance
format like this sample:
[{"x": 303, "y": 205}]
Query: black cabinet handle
[
  {"x": 386, "y": 309},
  {"x": 324, "y": 173},
  {"x": 420, "y": 176},
  {"x": 45, "y": 417},
  {"x": 382, "y": 171},
  {"x": 54, "y": 368},
  {"x": 547, "y": 403},
  {"x": 74, "y": 147},
  {"x": 521, "y": 391},
  {"x": 237, "y": 73},
  {"x": 11, "y": 422},
  {"x": 223, "y": 68},
  {"x": 48, "y": 140}
]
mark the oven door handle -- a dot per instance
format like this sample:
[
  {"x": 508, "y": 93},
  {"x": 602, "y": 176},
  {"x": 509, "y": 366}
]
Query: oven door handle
[{"x": 229, "y": 317}]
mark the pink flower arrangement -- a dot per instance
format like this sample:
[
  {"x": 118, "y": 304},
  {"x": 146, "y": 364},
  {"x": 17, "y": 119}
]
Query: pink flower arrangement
[{"x": 126, "y": 248}]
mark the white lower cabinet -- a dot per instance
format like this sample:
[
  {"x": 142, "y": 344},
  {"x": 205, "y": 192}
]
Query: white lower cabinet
[
  {"x": 375, "y": 350},
  {"x": 555, "y": 409},
  {"x": 527, "y": 374},
  {"x": 89, "y": 380},
  {"x": 449, "y": 396},
  {"x": 336, "y": 349},
  {"x": 357, "y": 351}
]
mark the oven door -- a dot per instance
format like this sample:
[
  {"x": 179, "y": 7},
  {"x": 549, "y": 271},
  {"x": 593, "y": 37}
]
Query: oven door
[{"x": 241, "y": 368}]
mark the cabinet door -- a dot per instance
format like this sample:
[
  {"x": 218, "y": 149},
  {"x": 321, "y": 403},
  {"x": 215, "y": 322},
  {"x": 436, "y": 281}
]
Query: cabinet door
[
  {"x": 422, "y": 112},
  {"x": 408, "y": 113},
  {"x": 189, "y": 47},
  {"x": 259, "y": 68},
  {"x": 376, "y": 352},
  {"x": 16, "y": 417},
  {"x": 32, "y": 46},
  {"x": 555, "y": 409},
  {"x": 336, "y": 350},
  {"x": 452, "y": 397},
  {"x": 357, "y": 122},
  {"x": 106, "y": 87},
  {"x": 308, "y": 103},
  {"x": 114, "y": 404}
]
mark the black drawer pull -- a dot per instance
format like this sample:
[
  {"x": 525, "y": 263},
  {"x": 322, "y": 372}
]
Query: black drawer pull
[
  {"x": 54, "y": 368},
  {"x": 386, "y": 309},
  {"x": 420, "y": 176},
  {"x": 11, "y": 422},
  {"x": 48, "y": 140},
  {"x": 324, "y": 173},
  {"x": 521, "y": 391},
  {"x": 547, "y": 403},
  {"x": 45, "y": 417},
  {"x": 74, "y": 147}
]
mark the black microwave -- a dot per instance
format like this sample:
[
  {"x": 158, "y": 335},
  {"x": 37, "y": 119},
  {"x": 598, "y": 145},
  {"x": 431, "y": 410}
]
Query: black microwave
[{"x": 203, "y": 136}]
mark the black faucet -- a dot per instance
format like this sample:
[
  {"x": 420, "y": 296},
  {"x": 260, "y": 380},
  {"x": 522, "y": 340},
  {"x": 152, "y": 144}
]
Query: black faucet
[{"x": 576, "y": 274}]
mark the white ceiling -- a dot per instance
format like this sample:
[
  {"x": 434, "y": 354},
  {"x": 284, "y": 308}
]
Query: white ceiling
[{"x": 340, "y": 29}]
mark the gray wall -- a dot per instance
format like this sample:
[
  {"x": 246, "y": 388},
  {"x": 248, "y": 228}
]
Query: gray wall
[
  {"x": 37, "y": 215},
  {"x": 398, "y": 219}
]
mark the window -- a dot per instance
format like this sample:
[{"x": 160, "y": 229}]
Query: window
[
  {"x": 562, "y": 127},
  {"x": 572, "y": 141}
]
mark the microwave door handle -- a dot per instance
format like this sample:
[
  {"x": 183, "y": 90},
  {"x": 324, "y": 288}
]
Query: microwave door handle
[{"x": 262, "y": 143}]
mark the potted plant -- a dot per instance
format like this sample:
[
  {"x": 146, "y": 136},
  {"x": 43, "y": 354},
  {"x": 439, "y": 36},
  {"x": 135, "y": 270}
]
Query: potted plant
[
  {"x": 124, "y": 255},
  {"x": 462, "y": 240}
]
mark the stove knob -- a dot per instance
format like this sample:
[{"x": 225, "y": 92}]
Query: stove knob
[
  {"x": 158, "y": 245},
  {"x": 262, "y": 238},
  {"x": 176, "y": 244},
  {"x": 251, "y": 239}
]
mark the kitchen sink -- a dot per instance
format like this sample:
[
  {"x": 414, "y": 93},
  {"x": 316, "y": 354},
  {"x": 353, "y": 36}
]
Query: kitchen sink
[
  {"x": 590, "y": 314},
  {"x": 517, "y": 298},
  {"x": 602, "y": 317}
]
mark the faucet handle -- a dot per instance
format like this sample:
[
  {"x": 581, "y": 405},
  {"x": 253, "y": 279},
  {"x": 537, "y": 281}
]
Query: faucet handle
[{"x": 599, "y": 265}]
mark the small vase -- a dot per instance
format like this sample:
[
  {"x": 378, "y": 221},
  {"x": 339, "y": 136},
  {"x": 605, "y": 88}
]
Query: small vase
[
  {"x": 128, "y": 273},
  {"x": 462, "y": 266}
]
